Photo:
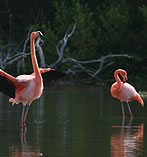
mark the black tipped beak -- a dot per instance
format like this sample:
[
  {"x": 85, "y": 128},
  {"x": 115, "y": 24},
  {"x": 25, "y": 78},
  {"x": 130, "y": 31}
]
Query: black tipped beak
[
  {"x": 40, "y": 33},
  {"x": 125, "y": 79}
]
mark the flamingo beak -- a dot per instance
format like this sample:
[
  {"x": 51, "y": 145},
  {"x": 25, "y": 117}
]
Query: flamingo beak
[
  {"x": 125, "y": 78},
  {"x": 40, "y": 33}
]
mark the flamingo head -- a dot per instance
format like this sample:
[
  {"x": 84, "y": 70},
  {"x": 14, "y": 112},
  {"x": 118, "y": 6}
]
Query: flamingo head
[
  {"x": 34, "y": 35},
  {"x": 123, "y": 73},
  {"x": 125, "y": 78}
]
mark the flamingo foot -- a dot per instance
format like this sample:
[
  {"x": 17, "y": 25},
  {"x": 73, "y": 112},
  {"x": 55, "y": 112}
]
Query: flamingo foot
[
  {"x": 22, "y": 124},
  {"x": 23, "y": 127}
]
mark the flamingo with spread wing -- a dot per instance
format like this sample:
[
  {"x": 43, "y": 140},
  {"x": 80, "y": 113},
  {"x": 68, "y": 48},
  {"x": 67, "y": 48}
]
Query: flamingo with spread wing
[{"x": 26, "y": 88}]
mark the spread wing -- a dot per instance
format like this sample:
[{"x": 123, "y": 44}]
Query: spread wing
[
  {"x": 48, "y": 75},
  {"x": 7, "y": 87},
  {"x": 51, "y": 75}
]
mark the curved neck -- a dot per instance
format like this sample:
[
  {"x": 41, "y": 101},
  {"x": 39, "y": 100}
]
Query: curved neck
[
  {"x": 119, "y": 83},
  {"x": 117, "y": 77},
  {"x": 34, "y": 59}
]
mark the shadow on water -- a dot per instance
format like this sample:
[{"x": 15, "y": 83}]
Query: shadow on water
[{"x": 77, "y": 121}]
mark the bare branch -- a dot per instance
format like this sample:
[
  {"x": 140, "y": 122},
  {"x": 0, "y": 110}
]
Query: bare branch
[
  {"x": 6, "y": 59},
  {"x": 67, "y": 34},
  {"x": 94, "y": 73},
  {"x": 16, "y": 58},
  {"x": 77, "y": 66},
  {"x": 61, "y": 46},
  {"x": 102, "y": 61},
  {"x": 26, "y": 41},
  {"x": 7, "y": 46},
  {"x": 42, "y": 60},
  {"x": 81, "y": 66}
]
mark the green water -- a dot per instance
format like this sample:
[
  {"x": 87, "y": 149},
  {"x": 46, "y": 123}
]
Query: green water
[{"x": 74, "y": 122}]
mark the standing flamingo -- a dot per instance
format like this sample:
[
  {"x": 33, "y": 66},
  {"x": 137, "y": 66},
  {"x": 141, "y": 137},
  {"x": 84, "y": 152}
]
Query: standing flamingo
[
  {"x": 26, "y": 88},
  {"x": 124, "y": 91}
]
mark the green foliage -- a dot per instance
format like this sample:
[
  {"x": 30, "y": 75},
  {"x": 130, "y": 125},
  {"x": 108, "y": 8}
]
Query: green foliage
[
  {"x": 143, "y": 9},
  {"x": 114, "y": 21},
  {"x": 82, "y": 44},
  {"x": 50, "y": 42},
  {"x": 102, "y": 26}
]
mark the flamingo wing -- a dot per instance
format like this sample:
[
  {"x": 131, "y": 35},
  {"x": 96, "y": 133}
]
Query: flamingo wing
[
  {"x": 133, "y": 95},
  {"x": 24, "y": 78},
  {"x": 51, "y": 75},
  {"x": 129, "y": 90},
  {"x": 128, "y": 93},
  {"x": 7, "y": 87}
]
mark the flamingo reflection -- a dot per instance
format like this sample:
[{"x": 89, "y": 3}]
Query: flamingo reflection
[
  {"x": 25, "y": 150},
  {"x": 127, "y": 140}
]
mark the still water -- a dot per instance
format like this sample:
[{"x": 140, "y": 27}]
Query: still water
[{"x": 74, "y": 122}]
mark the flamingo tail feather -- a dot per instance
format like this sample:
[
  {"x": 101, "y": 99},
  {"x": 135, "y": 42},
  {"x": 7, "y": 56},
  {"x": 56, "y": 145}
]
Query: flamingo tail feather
[{"x": 139, "y": 99}]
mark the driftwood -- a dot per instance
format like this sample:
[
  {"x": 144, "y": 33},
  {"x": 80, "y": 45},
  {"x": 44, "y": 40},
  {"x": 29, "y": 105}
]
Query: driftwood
[
  {"x": 19, "y": 57},
  {"x": 61, "y": 47},
  {"x": 6, "y": 59},
  {"x": 77, "y": 65},
  {"x": 38, "y": 44},
  {"x": 80, "y": 66}
]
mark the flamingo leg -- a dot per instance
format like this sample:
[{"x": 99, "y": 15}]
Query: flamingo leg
[
  {"x": 130, "y": 110},
  {"x": 123, "y": 121},
  {"x": 25, "y": 116},
  {"x": 123, "y": 113},
  {"x": 22, "y": 114}
]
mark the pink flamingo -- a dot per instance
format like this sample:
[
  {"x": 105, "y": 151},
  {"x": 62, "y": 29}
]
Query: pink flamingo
[
  {"x": 124, "y": 91},
  {"x": 26, "y": 88}
]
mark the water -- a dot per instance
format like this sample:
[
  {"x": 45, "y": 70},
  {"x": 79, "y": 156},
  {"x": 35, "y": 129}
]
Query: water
[{"x": 74, "y": 122}]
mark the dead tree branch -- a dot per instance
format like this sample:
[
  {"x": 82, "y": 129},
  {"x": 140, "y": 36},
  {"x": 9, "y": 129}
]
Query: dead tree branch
[
  {"x": 80, "y": 66},
  {"x": 77, "y": 66},
  {"x": 6, "y": 59},
  {"x": 6, "y": 46},
  {"x": 61, "y": 46},
  {"x": 39, "y": 48}
]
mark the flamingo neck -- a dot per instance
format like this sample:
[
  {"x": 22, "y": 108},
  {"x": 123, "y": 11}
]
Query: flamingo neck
[
  {"x": 119, "y": 83},
  {"x": 34, "y": 59},
  {"x": 117, "y": 77}
]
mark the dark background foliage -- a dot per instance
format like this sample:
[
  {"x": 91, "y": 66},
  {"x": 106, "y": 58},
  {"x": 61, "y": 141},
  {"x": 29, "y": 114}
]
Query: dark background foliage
[{"x": 103, "y": 27}]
